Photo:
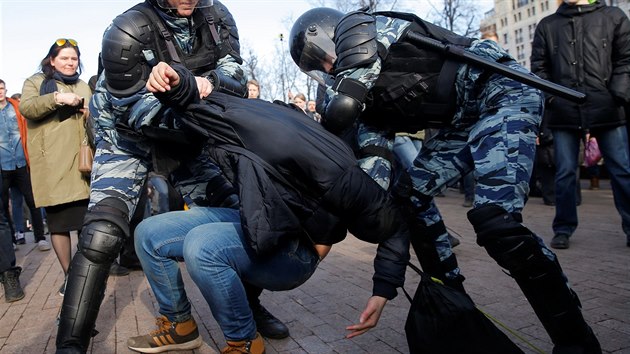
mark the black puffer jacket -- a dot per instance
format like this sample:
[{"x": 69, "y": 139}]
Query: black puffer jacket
[
  {"x": 586, "y": 48},
  {"x": 294, "y": 179}
]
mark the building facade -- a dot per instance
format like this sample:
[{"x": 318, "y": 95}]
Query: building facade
[{"x": 514, "y": 22}]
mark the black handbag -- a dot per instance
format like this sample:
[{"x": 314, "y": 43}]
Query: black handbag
[{"x": 443, "y": 320}]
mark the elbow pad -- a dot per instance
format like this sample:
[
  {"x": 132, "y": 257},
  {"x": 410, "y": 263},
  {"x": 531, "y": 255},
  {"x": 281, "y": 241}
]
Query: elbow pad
[
  {"x": 227, "y": 84},
  {"x": 345, "y": 107}
]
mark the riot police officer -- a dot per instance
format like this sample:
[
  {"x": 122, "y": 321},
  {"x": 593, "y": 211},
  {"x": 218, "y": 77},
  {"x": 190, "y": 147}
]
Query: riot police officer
[
  {"x": 487, "y": 125},
  {"x": 132, "y": 137}
]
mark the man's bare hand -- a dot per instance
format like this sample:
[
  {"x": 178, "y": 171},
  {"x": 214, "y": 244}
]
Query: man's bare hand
[
  {"x": 204, "y": 86},
  {"x": 162, "y": 78},
  {"x": 369, "y": 317}
]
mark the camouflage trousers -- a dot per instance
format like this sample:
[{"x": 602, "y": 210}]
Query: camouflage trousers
[
  {"x": 117, "y": 172},
  {"x": 498, "y": 148}
]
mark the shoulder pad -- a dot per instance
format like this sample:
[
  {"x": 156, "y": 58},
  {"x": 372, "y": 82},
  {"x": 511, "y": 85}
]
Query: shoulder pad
[
  {"x": 122, "y": 52},
  {"x": 227, "y": 31},
  {"x": 355, "y": 41}
]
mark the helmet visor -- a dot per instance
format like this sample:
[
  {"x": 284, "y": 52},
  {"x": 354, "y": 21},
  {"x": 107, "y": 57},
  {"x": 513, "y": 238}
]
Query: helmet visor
[
  {"x": 196, "y": 3},
  {"x": 319, "y": 49}
]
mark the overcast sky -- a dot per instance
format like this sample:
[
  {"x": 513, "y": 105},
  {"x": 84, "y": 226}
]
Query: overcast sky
[{"x": 29, "y": 27}]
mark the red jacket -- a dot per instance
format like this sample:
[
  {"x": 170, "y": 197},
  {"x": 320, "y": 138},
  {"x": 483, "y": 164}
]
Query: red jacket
[{"x": 21, "y": 125}]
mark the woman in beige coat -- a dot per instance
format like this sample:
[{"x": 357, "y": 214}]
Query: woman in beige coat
[{"x": 54, "y": 103}]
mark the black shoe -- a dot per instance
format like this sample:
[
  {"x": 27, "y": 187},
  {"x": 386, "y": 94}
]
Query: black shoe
[
  {"x": 453, "y": 240},
  {"x": 116, "y": 270},
  {"x": 11, "y": 282},
  {"x": 467, "y": 203},
  {"x": 560, "y": 241},
  {"x": 268, "y": 325}
]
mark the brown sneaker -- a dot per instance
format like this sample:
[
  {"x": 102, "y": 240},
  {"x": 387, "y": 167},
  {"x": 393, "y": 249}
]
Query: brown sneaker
[
  {"x": 254, "y": 346},
  {"x": 168, "y": 336}
]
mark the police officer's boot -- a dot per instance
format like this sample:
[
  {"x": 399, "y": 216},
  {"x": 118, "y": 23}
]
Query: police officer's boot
[
  {"x": 520, "y": 251},
  {"x": 100, "y": 242},
  {"x": 423, "y": 240},
  {"x": 11, "y": 281}
]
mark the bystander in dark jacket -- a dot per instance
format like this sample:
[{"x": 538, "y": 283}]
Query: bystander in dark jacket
[{"x": 586, "y": 46}]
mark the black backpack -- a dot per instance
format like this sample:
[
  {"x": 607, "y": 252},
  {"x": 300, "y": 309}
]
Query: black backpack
[{"x": 443, "y": 320}]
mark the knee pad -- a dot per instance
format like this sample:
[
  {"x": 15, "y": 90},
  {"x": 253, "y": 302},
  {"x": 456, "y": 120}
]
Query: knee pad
[
  {"x": 101, "y": 241},
  {"x": 105, "y": 228},
  {"x": 512, "y": 245}
]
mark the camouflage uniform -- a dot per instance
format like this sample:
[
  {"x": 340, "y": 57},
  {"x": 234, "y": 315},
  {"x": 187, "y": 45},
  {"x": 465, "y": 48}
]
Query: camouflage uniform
[
  {"x": 122, "y": 160},
  {"x": 493, "y": 134},
  {"x": 488, "y": 126}
]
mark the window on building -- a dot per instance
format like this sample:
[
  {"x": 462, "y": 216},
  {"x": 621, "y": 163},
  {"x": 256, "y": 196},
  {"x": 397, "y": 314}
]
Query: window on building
[{"x": 505, "y": 39}]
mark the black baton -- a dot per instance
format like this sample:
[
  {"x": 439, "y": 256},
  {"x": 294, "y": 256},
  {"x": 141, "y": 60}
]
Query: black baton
[{"x": 531, "y": 80}]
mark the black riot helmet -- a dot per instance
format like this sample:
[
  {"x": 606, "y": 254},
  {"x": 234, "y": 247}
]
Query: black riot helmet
[{"x": 311, "y": 41}]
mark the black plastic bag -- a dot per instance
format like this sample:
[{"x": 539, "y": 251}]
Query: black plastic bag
[{"x": 443, "y": 320}]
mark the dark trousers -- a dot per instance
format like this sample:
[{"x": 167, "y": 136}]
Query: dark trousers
[
  {"x": 7, "y": 254},
  {"x": 21, "y": 179}
]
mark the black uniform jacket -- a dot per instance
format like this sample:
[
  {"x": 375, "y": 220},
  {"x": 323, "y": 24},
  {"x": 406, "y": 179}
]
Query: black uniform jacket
[{"x": 294, "y": 179}]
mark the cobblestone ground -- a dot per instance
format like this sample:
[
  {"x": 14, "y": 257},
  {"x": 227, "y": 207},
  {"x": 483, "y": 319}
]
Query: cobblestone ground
[{"x": 597, "y": 264}]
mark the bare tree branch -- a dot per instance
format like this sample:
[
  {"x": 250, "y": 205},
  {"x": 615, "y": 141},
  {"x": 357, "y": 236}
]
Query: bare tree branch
[{"x": 459, "y": 16}]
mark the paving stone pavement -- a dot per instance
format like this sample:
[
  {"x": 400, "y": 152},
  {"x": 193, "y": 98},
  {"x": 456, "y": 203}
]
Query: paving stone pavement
[{"x": 597, "y": 264}]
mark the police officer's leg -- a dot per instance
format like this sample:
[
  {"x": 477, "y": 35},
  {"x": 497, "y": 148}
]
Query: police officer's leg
[
  {"x": 102, "y": 236},
  {"x": 429, "y": 239},
  {"x": 503, "y": 153},
  {"x": 537, "y": 272},
  {"x": 442, "y": 160}
]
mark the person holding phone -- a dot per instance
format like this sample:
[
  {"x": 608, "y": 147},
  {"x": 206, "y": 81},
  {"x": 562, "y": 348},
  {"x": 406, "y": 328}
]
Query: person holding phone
[{"x": 54, "y": 105}]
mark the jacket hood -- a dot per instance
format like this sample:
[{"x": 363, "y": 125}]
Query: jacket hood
[{"x": 577, "y": 10}]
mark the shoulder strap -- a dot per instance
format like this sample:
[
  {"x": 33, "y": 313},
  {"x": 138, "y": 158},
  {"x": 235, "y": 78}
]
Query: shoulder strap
[
  {"x": 208, "y": 15},
  {"x": 149, "y": 11}
]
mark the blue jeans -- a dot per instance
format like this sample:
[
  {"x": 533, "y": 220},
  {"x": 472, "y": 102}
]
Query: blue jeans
[
  {"x": 617, "y": 160},
  {"x": 406, "y": 149},
  {"x": 160, "y": 186},
  {"x": 217, "y": 258}
]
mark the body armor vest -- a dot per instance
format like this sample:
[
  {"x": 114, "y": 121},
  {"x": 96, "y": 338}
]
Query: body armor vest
[
  {"x": 416, "y": 86},
  {"x": 207, "y": 46}
]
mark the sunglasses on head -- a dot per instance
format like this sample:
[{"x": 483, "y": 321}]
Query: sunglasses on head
[{"x": 62, "y": 41}]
